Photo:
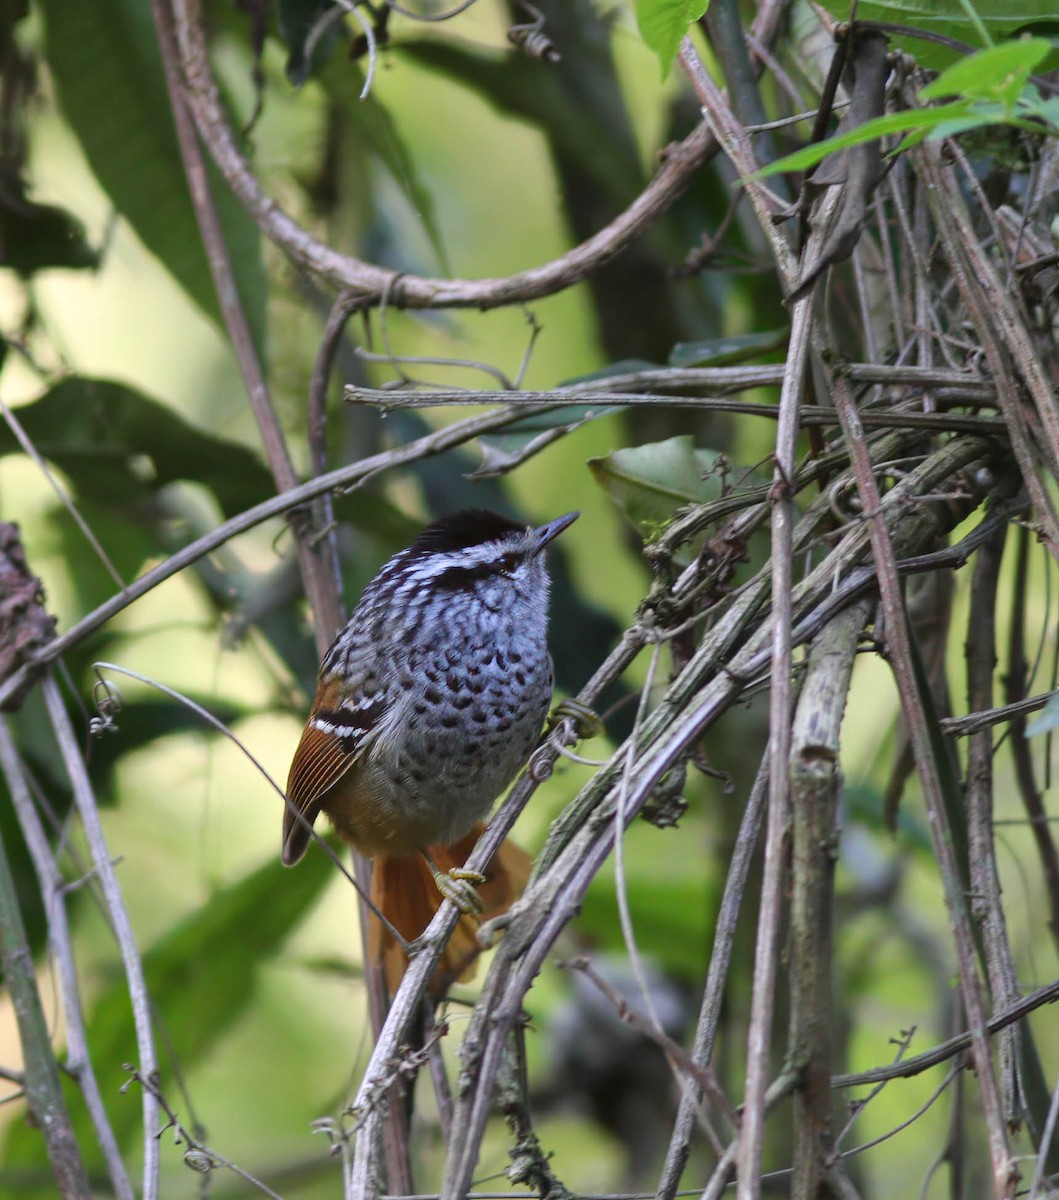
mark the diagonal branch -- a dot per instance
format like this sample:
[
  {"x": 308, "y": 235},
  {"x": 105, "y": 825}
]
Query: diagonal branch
[
  {"x": 51, "y": 883},
  {"x": 1005, "y": 1173},
  {"x": 119, "y": 918},
  {"x": 41, "y": 1081},
  {"x": 347, "y": 477}
]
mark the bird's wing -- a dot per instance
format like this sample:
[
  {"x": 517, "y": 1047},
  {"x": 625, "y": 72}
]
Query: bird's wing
[{"x": 335, "y": 737}]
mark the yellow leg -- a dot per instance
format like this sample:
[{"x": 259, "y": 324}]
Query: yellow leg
[
  {"x": 458, "y": 885},
  {"x": 588, "y": 723}
]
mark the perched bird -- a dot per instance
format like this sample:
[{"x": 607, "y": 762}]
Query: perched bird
[{"x": 427, "y": 704}]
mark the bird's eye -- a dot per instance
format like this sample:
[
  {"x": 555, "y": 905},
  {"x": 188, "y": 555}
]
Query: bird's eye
[{"x": 507, "y": 563}]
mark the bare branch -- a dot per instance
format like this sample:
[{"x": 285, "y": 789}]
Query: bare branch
[
  {"x": 348, "y": 477},
  {"x": 42, "y": 1084},
  {"x": 53, "y": 891},
  {"x": 119, "y": 918}
]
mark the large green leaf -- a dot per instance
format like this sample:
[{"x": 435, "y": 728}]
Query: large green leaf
[
  {"x": 950, "y": 16},
  {"x": 519, "y": 87},
  {"x": 376, "y": 128},
  {"x": 108, "y": 72},
  {"x": 200, "y": 976},
  {"x": 296, "y": 19},
  {"x": 728, "y": 351},
  {"x": 521, "y": 440},
  {"x": 664, "y": 22},
  {"x": 35, "y": 237},
  {"x": 997, "y": 73},
  {"x": 649, "y": 483},
  {"x": 116, "y": 444}
]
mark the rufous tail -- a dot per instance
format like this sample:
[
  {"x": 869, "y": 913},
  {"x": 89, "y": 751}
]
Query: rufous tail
[{"x": 404, "y": 890}]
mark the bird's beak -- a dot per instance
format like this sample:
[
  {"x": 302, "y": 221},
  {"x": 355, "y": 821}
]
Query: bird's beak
[{"x": 546, "y": 533}]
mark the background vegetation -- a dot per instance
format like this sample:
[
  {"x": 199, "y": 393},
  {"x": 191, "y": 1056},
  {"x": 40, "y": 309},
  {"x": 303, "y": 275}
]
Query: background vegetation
[{"x": 211, "y": 219}]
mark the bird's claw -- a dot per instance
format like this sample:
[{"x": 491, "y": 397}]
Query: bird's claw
[
  {"x": 587, "y": 722},
  {"x": 458, "y": 885}
]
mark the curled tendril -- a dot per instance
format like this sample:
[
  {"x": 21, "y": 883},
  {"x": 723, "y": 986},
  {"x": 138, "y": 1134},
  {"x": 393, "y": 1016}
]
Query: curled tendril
[
  {"x": 107, "y": 700},
  {"x": 442, "y": 16},
  {"x": 199, "y": 1160},
  {"x": 531, "y": 37},
  {"x": 540, "y": 764}
]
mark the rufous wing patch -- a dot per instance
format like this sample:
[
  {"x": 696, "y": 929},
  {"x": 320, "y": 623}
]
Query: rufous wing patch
[{"x": 319, "y": 763}]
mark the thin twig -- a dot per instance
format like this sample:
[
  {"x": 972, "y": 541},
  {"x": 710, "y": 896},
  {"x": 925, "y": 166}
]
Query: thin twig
[
  {"x": 716, "y": 979},
  {"x": 759, "y": 1033},
  {"x": 198, "y": 1156},
  {"x": 42, "y": 1084},
  {"x": 317, "y": 579},
  {"x": 1019, "y": 677},
  {"x": 31, "y": 451},
  {"x": 1001, "y": 715},
  {"x": 1018, "y": 1011},
  {"x": 919, "y": 735},
  {"x": 52, "y": 890},
  {"x": 735, "y": 654},
  {"x": 1005, "y": 341},
  {"x": 885, "y": 1137},
  {"x": 987, "y": 906},
  {"x": 119, "y": 918},
  {"x": 348, "y": 477},
  {"x": 1046, "y": 1144}
]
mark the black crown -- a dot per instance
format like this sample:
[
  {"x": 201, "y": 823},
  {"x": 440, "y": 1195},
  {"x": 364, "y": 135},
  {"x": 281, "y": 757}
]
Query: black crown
[{"x": 463, "y": 529}]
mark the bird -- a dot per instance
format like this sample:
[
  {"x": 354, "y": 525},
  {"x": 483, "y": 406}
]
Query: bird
[{"x": 427, "y": 704}]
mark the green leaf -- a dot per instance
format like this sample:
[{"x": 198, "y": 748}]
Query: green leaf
[
  {"x": 997, "y": 73},
  {"x": 623, "y": 366},
  {"x": 974, "y": 120},
  {"x": 35, "y": 237},
  {"x": 719, "y": 352},
  {"x": 296, "y": 19},
  {"x": 949, "y": 16},
  {"x": 663, "y": 24},
  {"x": 117, "y": 445},
  {"x": 649, "y": 483},
  {"x": 501, "y": 452},
  {"x": 108, "y": 71},
  {"x": 916, "y": 119},
  {"x": 1047, "y": 110},
  {"x": 516, "y": 87},
  {"x": 375, "y": 126},
  {"x": 200, "y": 976}
]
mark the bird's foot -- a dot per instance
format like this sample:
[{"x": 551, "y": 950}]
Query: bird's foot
[
  {"x": 459, "y": 886},
  {"x": 587, "y": 722}
]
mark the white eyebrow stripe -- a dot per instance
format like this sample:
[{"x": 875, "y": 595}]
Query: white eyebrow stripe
[{"x": 415, "y": 575}]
